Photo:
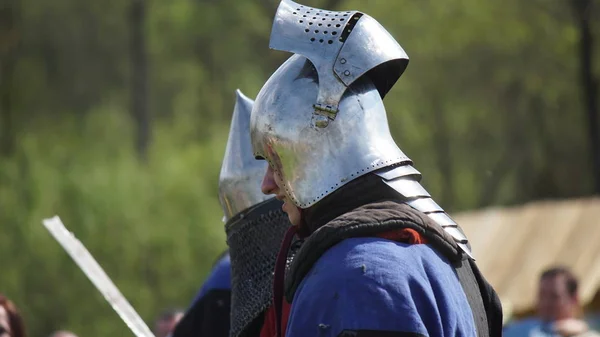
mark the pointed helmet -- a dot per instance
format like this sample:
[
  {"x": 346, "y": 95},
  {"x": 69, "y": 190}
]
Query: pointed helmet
[
  {"x": 241, "y": 175},
  {"x": 255, "y": 224},
  {"x": 319, "y": 119}
]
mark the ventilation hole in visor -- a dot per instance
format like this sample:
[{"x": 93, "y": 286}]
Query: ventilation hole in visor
[{"x": 349, "y": 26}]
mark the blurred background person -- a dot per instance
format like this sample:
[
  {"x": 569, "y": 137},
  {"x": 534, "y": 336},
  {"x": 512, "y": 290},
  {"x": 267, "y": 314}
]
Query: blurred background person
[
  {"x": 558, "y": 308},
  {"x": 11, "y": 322},
  {"x": 166, "y": 322}
]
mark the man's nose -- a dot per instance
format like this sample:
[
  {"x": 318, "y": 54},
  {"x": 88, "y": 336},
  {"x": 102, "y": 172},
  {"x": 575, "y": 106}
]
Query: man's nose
[{"x": 268, "y": 185}]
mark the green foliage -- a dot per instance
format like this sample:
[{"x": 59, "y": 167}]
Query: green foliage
[
  {"x": 154, "y": 228},
  {"x": 489, "y": 102},
  {"x": 490, "y": 99}
]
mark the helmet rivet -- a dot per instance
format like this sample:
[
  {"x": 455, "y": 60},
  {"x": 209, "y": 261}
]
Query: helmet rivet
[
  {"x": 321, "y": 121},
  {"x": 347, "y": 72},
  {"x": 343, "y": 61}
]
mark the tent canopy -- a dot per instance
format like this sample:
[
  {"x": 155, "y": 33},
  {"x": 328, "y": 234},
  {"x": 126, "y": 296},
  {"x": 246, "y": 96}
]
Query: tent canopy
[{"x": 512, "y": 246}]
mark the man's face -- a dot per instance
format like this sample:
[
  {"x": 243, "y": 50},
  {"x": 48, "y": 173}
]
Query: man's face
[
  {"x": 554, "y": 301},
  {"x": 167, "y": 325},
  {"x": 271, "y": 185}
]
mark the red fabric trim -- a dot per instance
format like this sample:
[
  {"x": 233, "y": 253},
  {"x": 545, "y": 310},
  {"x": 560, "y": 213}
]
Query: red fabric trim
[
  {"x": 268, "y": 329},
  {"x": 405, "y": 235}
]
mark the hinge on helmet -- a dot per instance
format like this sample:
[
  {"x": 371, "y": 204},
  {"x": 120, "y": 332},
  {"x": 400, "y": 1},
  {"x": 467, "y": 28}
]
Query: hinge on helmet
[{"x": 323, "y": 113}]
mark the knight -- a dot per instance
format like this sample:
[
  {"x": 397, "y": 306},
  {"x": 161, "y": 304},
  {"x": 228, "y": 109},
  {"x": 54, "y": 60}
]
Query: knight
[
  {"x": 238, "y": 292},
  {"x": 380, "y": 257}
]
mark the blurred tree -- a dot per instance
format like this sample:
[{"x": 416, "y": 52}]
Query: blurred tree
[
  {"x": 139, "y": 76},
  {"x": 9, "y": 44},
  {"x": 487, "y": 109},
  {"x": 583, "y": 10}
]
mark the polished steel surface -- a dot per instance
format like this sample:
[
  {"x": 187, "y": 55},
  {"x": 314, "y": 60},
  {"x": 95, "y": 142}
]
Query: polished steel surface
[
  {"x": 425, "y": 205},
  {"x": 343, "y": 46},
  {"x": 241, "y": 175},
  {"x": 311, "y": 161},
  {"x": 443, "y": 219},
  {"x": 319, "y": 120},
  {"x": 394, "y": 172}
]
